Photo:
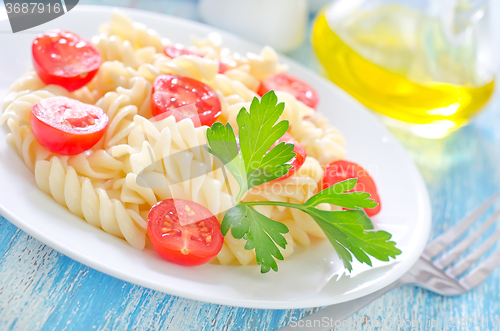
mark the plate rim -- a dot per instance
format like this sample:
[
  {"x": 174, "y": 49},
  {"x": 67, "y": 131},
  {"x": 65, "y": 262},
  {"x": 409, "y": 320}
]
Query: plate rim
[{"x": 279, "y": 304}]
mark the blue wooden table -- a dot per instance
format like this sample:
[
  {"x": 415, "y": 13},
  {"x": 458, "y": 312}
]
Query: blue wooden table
[{"x": 41, "y": 289}]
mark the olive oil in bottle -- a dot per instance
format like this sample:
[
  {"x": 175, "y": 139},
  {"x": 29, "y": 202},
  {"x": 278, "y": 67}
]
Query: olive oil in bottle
[{"x": 405, "y": 65}]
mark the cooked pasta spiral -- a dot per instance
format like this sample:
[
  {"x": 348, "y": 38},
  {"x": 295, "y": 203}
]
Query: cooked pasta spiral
[
  {"x": 320, "y": 139},
  {"x": 259, "y": 66},
  {"x": 265, "y": 64},
  {"x": 96, "y": 164},
  {"x": 139, "y": 93},
  {"x": 26, "y": 145},
  {"x": 211, "y": 44},
  {"x": 111, "y": 75},
  {"x": 172, "y": 154},
  {"x": 19, "y": 108},
  {"x": 242, "y": 74},
  {"x": 301, "y": 225},
  {"x": 122, "y": 105},
  {"x": 90, "y": 201},
  {"x": 30, "y": 82},
  {"x": 113, "y": 48},
  {"x": 191, "y": 66},
  {"x": 136, "y": 33},
  {"x": 236, "y": 90}
]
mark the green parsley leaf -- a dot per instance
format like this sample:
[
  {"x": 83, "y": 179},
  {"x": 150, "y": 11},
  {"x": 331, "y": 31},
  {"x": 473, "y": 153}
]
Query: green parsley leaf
[
  {"x": 257, "y": 163},
  {"x": 350, "y": 232},
  {"x": 222, "y": 142},
  {"x": 346, "y": 230},
  {"x": 260, "y": 232},
  {"x": 258, "y": 132},
  {"x": 335, "y": 195}
]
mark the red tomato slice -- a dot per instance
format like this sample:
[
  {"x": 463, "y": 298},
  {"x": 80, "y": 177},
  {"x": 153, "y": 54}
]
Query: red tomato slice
[
  {"x": 67, "y": 126},
  {"x": 64, "y": 58},
  {"x": 298, "y": 159},
  {"x": 339, "y": 171},
  {"x": 288, "y": 83},
  {"x": 173, "y": 52},
  {"x": 184, "y": 232},
  {"x": 171, "y": 92}
]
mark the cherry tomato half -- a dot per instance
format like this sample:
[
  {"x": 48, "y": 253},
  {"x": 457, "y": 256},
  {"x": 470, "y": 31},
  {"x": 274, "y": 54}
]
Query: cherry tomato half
[
  {"x": 288, "y": 83},
  {"x": 341, "y": 170},
  {"x": 171, "y": 92},
  {"x": 298, "y": 160},
  {"x": 173, "y": 52},
  {"x": 67, "y": 126},
  {"x": 64, "y": 58},
  {"x": 184, "y": 232}
]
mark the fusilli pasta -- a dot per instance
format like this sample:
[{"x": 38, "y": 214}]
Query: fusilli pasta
[
  {"x": 321, "y": 140},
  {"x": 113, "y": 48},
  {"x": 138, "y": 34},
  {"x": 90, "y": 201},
  {"x": 140, "y": 160}
]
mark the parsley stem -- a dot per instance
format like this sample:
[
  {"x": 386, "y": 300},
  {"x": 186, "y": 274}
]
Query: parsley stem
[
  {"x": 240, "y": 196},
  {"x": 275, "y": 203}
]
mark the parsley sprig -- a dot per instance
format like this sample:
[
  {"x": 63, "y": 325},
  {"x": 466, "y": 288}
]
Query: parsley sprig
[{"x": 255, "y": 163}]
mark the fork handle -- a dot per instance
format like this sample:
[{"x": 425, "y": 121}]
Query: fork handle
[{"x": 325, "y": 318}]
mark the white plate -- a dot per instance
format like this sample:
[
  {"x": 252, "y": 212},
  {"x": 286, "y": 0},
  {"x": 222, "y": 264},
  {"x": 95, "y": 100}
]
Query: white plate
[{"x": 307, "y": 279}]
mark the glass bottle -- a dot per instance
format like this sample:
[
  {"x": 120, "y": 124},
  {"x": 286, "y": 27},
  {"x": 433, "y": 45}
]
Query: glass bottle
[{"x": 423, "y": 65}]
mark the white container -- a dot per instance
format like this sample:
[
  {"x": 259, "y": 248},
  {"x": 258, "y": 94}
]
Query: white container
[
  {"x": 316, "y": 5},
  {"x": 280, "y": 24}
]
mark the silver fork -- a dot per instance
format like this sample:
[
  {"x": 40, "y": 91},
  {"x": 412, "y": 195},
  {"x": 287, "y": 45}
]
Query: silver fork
[{"x": 429, "y": 274}]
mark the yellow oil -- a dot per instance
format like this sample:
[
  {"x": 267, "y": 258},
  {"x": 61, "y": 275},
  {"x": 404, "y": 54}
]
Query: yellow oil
[{"x": 390, "y": 91}]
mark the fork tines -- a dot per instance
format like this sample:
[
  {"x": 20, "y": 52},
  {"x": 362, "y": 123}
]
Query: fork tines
[{"x": 443, "y": 242}]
